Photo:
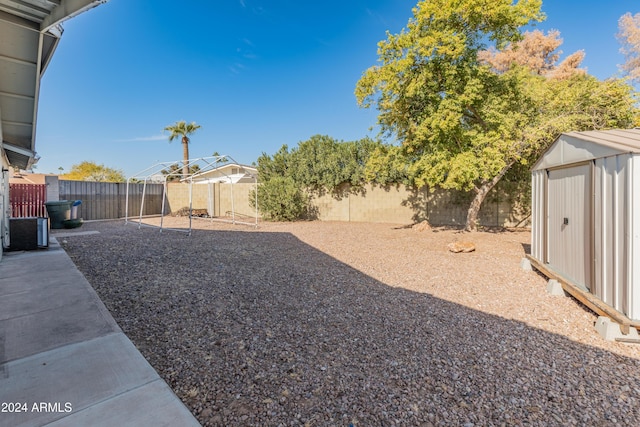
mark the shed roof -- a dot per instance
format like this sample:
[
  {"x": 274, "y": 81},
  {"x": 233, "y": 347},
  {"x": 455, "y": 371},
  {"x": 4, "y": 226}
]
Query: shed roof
[
  {"x": 29, "y": 34},
  {"x": 575, "y": 147}
]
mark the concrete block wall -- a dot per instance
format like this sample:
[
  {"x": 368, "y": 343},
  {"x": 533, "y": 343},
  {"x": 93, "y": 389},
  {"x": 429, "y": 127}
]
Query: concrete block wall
[
  {"x": 329, "y": 208},
  {"x": 447, "y": 207},
  {"x": 502, "y": 213},
  {"x": 240, "y": 197},
  {"x": 215, "y": 198},
  {"x": 178, "y": 196},
  {"x": 53, "y": 187},
  {"x": 406, "y": 205},
  {"x": 381, "y": 204},
  {"x": 392, "y": 204}
]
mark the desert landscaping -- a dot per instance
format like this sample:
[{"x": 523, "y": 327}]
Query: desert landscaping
[{"x": 332, "y": 323}]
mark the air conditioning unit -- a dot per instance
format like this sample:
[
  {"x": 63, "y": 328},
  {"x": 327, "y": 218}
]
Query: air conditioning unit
[{"x": 27, "y": 234}]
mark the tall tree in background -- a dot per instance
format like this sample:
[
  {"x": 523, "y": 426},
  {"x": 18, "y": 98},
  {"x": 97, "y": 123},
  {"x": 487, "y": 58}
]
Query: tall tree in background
[
  {"x": 464, "y": 115},
  {"x": 182, "y": 130},
  {"x": 90, "y": 171},
  {"x": 537, "y": 52},
  {"x": 629, "y": 37}
]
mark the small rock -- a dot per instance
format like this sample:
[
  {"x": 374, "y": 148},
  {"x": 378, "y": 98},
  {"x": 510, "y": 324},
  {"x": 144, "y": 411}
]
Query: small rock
[
  {"x": 464, "y": 247},
  {"x": 422, "y": 226}
]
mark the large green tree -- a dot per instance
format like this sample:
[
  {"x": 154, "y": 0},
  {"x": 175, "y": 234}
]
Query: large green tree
[
  {"x": 462, "y": 122},
  {"x": 182, "y": 130},
  {"x": 91, "y": 171}
]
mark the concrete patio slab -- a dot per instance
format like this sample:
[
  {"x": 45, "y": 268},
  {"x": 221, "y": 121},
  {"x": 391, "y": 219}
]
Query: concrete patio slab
[
  {"x": 45, "y": 302},
  {"x": 60, "y": 376},
  {"x": 60, "y": 234},
  {"x": 131, "y": 409}
]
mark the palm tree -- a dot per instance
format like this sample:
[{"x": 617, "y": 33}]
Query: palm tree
[{"x": 183, "y": 129}]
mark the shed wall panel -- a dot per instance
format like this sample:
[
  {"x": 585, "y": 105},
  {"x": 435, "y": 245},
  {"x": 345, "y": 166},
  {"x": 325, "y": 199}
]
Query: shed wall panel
[
  {"x": 633, "y": 231},
  {"x": 569, "y": 222},
  {"x": 610, "y": 229},
  {"x": 605, "y": 232},
  {"x": 538, "y": 214},
  {"x": 599, "y": 215},
  {"x": 621, "y": 199}
]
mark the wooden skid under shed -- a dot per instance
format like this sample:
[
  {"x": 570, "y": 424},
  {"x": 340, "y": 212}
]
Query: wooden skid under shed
[{"x": 594, "y": 303}]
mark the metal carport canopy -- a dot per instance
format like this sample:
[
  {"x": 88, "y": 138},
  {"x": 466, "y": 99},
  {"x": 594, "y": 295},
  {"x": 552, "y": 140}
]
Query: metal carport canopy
[{"x": 29, "y": 34}]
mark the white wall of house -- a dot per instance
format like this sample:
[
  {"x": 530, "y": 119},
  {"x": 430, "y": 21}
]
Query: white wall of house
[{"x": 235, "y": 172}]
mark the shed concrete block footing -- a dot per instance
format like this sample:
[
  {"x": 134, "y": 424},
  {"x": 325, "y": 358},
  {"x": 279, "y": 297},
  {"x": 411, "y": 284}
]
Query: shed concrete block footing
[
  {"x": 555, "y": 288},
  {"x": 610, "y": 330},
  {"x": 525, "y": 264}
]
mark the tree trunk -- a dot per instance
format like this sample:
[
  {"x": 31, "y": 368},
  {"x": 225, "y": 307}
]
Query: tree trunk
[
  {"x": 481, "y": 194},
  {"x": 185, "y": 157}
]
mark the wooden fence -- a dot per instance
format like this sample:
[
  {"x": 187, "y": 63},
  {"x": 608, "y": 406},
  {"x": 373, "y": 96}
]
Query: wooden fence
[
  {"x": 27, "y": 200},
  {"x": 107, "y": 200}
]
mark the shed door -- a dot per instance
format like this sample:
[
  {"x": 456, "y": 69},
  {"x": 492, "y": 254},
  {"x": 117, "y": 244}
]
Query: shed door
[{"x": 569, "y": 223}]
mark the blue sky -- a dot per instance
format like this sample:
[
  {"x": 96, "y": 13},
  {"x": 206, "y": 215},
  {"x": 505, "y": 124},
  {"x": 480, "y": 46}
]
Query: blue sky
[{"x": 255, "y": 74}]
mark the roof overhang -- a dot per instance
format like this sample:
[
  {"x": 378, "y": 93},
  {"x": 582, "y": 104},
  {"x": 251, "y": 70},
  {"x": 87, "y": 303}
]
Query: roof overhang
[
  {"x": 18, "y": 155},
  {"x": 29, "y": 34}
]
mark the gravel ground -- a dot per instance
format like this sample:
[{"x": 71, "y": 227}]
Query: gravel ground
[{"x": 339, "y": 324}]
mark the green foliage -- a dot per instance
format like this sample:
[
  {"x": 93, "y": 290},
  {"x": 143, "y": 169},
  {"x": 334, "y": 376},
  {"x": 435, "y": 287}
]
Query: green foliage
[
  {"x": 388, "y": 164},
  {"x": 320, "y": 164},
  {"x": 181, "y": 129},
  {"x": 90, "y": 171},
  {"x": 450, "y": 114},
  {"x": 281, "y": 199},
  {"x": 461, "y": 124},
  {"x": 175, "y": 171},
  {"x": 278, "y": 165}
]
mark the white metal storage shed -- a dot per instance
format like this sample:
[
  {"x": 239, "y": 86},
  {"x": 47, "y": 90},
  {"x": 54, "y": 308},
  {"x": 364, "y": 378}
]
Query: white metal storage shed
[{"x": 586, "y": 215}]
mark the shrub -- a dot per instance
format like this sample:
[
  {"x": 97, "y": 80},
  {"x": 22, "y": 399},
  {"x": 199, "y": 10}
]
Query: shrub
[{"x": 281, "y": 199}]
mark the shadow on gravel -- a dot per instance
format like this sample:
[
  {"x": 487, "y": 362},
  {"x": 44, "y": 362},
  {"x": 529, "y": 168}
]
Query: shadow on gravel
[{"x": 256, "y": 328}]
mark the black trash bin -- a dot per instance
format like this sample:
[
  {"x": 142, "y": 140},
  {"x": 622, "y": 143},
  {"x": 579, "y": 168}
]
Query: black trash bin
[{"x": 58, "y": 211}]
